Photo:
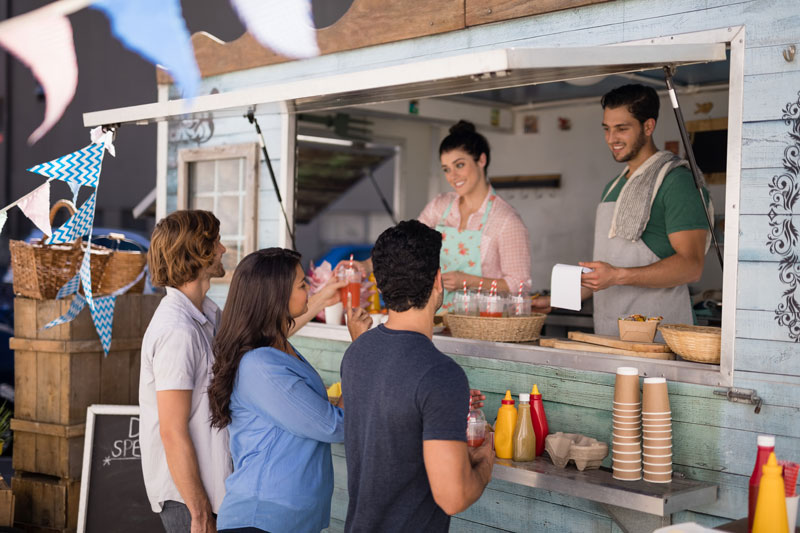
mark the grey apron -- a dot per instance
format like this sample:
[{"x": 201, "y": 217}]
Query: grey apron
[{"x": 618, "y": 301}]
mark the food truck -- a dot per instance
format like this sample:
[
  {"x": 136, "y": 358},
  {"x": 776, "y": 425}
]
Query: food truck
[{"x": 392, "y": 76}]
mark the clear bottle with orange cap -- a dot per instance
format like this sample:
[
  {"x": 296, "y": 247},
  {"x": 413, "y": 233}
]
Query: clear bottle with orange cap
[
  {"x": 771, "y": 507},
  {"x": 504, "y": 428}
]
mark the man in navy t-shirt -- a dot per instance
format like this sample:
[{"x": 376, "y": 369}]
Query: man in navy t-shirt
[{"x": 408, "y": 464}]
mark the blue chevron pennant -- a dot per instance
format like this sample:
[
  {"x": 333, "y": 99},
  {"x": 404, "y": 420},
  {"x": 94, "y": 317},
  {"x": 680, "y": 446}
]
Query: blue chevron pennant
[
  {"x": 77, "y": 169},
  {"x": 70, "y": 287},
  {"x": 86, "y": 274},
  {"x": 74, "y": 308},
  {"x": 78, "y": 224},
  {"x": 103, "y": 317}
]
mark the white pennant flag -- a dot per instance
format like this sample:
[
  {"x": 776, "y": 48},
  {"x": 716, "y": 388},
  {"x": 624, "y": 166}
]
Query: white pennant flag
[
  {"x": 3, "y": 218},
  {"x": 36, "y": 206},
  {"x": 44, "y": 44},
  {"x": 285, "y": 26}
]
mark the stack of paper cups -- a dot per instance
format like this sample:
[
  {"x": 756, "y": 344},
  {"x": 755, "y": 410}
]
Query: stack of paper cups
[
  {"x": 626, "y": 442},
  {"x": 657, "y": 426}
]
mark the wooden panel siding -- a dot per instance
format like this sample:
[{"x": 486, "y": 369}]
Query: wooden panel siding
[{"x": 486, "y": 11}]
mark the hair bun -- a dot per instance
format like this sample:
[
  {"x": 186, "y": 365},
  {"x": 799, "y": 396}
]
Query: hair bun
[{"x": 462, "y": 127}]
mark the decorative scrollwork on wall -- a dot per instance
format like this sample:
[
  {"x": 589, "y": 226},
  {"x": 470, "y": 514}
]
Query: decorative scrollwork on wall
[
  {"x": 784, "y": 235},
  {"x": 197, "y": 129}
]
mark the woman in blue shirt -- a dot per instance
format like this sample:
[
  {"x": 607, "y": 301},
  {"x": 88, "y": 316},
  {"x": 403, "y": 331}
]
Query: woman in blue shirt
[{"x": 273, "y": 402}]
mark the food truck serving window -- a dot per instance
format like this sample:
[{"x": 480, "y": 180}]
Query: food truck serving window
[{"x": 505, "y": 68}]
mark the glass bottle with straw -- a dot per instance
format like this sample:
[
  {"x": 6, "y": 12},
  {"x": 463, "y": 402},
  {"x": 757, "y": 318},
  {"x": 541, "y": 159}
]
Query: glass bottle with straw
[{"x": 520, "y": 305}]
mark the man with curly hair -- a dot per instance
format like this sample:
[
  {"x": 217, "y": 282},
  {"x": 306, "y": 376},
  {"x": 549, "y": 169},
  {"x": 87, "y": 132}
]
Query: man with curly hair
[
  {"x": 408, "y": 464},
  {"x": 184, "y": 460}
]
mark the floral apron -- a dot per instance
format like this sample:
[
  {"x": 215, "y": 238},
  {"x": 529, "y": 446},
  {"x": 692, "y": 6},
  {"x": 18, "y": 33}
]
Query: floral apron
[{"x": 461, "y": 250}]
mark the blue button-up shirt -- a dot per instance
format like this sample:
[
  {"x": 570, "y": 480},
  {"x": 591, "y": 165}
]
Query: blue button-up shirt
[{"x": 281, "y": 429}]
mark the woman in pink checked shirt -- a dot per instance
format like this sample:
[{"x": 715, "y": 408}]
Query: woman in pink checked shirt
[{"x": 483, "y": 237}]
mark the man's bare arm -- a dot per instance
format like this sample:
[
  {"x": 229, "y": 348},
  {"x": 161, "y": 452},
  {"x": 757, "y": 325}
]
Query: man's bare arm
[
  {"x": 457, "y": 475},
  {"x": 174, "y": 407},
  {"x": 684, "y": 266}
]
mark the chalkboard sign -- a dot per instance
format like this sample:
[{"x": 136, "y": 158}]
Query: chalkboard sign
[{"x": 113, "y": 497}]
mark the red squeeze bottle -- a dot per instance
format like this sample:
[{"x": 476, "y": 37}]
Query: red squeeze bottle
[
  {"x": 539, "y": 420},
  {"x": 766, "y": 445}
]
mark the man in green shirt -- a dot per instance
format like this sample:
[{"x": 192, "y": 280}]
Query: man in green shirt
[{"x": 651, "y": 233}]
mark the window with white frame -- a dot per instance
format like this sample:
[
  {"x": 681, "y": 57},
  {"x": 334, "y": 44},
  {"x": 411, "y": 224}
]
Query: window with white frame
[{"x": 223, "y": 180}]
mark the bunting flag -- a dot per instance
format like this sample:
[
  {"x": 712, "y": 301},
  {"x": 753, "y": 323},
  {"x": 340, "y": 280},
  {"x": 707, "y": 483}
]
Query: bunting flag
[
  {"x": 86, "y": 274},
  {"x": 78, "y": 224},
  {"x": 285, "y": 26},
  {"x": 3, "y": 218},
  {"x": 77, "y": 169},
  {"x": 44, "y": 44},
  {"x": 70, "y": 287},
  {"x": 36, "y": 206},
  {"x": 75, "y": 308},
  {"x": 103, "y": 318},
  {"x": 163, "y": 40}
]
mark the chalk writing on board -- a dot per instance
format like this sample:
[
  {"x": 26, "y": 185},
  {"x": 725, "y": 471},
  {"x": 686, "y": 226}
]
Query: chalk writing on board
[{"x": 126, "y": 449}]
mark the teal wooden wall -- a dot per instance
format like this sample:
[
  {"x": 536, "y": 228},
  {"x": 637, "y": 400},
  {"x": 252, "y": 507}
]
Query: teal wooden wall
[{"x": 714, "y": 439}]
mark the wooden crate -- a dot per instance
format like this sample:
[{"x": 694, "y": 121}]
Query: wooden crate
[
  {"x": 6, "y": 504},
  {"x": 45, "y": 501},
  {"x": 51, "y": 449},
  {"x": 57, "y": 378}
]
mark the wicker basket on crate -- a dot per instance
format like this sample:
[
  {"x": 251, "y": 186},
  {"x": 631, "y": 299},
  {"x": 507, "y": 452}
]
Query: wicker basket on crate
[
  {"x": 693, "y": 343},
  {"x": 122, "y": 268},
  {"x": 40, "y": 270},
  {"x": 510, "y": 329}
]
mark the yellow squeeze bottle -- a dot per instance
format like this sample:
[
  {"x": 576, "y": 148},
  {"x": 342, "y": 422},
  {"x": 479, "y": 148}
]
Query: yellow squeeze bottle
[
  {"x": 771, "y": 507},
  {"x": 374, "y": 298},
  {"x": 504, "y": 428}
]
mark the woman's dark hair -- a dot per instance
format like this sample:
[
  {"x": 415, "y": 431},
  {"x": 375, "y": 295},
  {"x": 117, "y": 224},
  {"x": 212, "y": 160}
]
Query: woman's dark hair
[
  {"x": 642, "y": 102},
  {"x": 464, "y": 137},
  {"x": 405, "y": 260},
  {"x": 256, "y": 314}
]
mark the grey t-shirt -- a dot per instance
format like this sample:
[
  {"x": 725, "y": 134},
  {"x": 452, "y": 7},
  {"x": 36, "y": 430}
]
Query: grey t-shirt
[
  {"x": 177, "y": 355},
  {"x": 399, "y": 391}
]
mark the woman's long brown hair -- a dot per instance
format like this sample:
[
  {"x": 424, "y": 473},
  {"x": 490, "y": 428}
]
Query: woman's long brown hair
[{"x": 256, "y": 315}]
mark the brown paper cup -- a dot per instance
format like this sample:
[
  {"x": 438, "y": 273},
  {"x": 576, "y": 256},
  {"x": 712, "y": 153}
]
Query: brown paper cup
[
  {"x": 627, "y": 476},
  {"x": 637, "y": 439},
  {"x": 626, "y": 386},
  {"x": 657, "y": 415},
  {"x": 657, "y": 459},
  {"x": 651, "y": 477},
  {"x": 626, "y": 456},
  {"x": 657, "y": 434},
  {"x": 655, "y": 398},
  {"x": 626, "y": 432},
  {"x": 664, "y": 441},
  {"x": 630, "y": 405},
  {"x": 626, "y": 448},
  {"x": 657, "y": 427},
  {"x": 627, "y": 464},
  {"x": 623, "y": 417}
]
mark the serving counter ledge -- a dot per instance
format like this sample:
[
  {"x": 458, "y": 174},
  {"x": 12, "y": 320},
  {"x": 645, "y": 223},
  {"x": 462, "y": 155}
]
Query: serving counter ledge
[{"x": 681, "y": 371}]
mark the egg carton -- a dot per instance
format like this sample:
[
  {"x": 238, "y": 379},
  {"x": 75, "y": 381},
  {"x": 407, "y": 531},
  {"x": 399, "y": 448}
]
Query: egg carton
[{"x": 585, "y": 451}]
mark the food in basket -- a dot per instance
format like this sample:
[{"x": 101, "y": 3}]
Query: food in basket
[
  {"x": 638, "y": 328},
  {"x": 642, "y": 318}
]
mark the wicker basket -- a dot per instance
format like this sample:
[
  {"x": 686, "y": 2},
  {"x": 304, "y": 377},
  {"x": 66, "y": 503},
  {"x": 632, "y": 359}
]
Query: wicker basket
[
  {"x": 40, "y": 270},
  {"x": 511, "y": 329},
  {"x": 693, "y": 343},
  {"x": 122, "y": 268}
]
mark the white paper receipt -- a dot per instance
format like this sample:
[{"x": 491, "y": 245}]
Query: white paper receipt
[{"x": 565, "y": 286}]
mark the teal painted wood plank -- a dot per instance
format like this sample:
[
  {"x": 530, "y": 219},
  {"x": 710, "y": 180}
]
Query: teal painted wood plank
[
  {"x": 642, "y": 10},
  {"x": 756, "y": 194},
  {"x": 767, "y": 60},
  {"x": 775, "y": 389},
  {"x": 764, "y": 144},
  {"x": 760, "y": 325},
  {"x": 460, "y": 525},
  {"x": 759, "y": 286},
  {"x": 336, "y": 526},
  {"x": 732, "y": 489},
  {"x": 768, "y": 357},
  {"x": 699, "y": 518},
  {"x": 753, "y": 237},
  {"x": 339, "y": 504}
]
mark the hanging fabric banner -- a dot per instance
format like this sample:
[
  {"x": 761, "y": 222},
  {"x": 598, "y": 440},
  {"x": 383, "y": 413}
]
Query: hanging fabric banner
[
  {"x": 155, "y": 29},
  {"x": 103, "y": 317},
  {"x": 285, "y": 26},
  {"x": 45, "y": 45},
  {"x": 36, "y": 206},
  {"x": 74, "y": 309},
  {"x": 86, "y": 274},
  {"x": 70, "y": 287},
  {"x": 78, "y": 224},
  {"x": 76, "y": 169},
  {"x": 3, "y": 218}
]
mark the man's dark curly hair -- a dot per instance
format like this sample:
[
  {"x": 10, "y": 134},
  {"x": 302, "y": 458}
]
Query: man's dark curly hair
[
  {"x": 641, "y": 102},
  {"x": 405, "y": 260}
]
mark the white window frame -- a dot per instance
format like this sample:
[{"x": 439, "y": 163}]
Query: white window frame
[{"x": 246, "y": 151}]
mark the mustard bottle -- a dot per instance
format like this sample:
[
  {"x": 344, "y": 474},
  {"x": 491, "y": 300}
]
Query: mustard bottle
[
  {"x": 374, "y": 298},
  {"x": 771, "y": 507},
  {"x": 524, "y": 437},
  {"x": 504, "y": 428}
]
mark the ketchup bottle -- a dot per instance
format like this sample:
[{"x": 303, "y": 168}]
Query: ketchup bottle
[
  {"x": 766, "y": 445},
  {"x": 539, "y": 419}
]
